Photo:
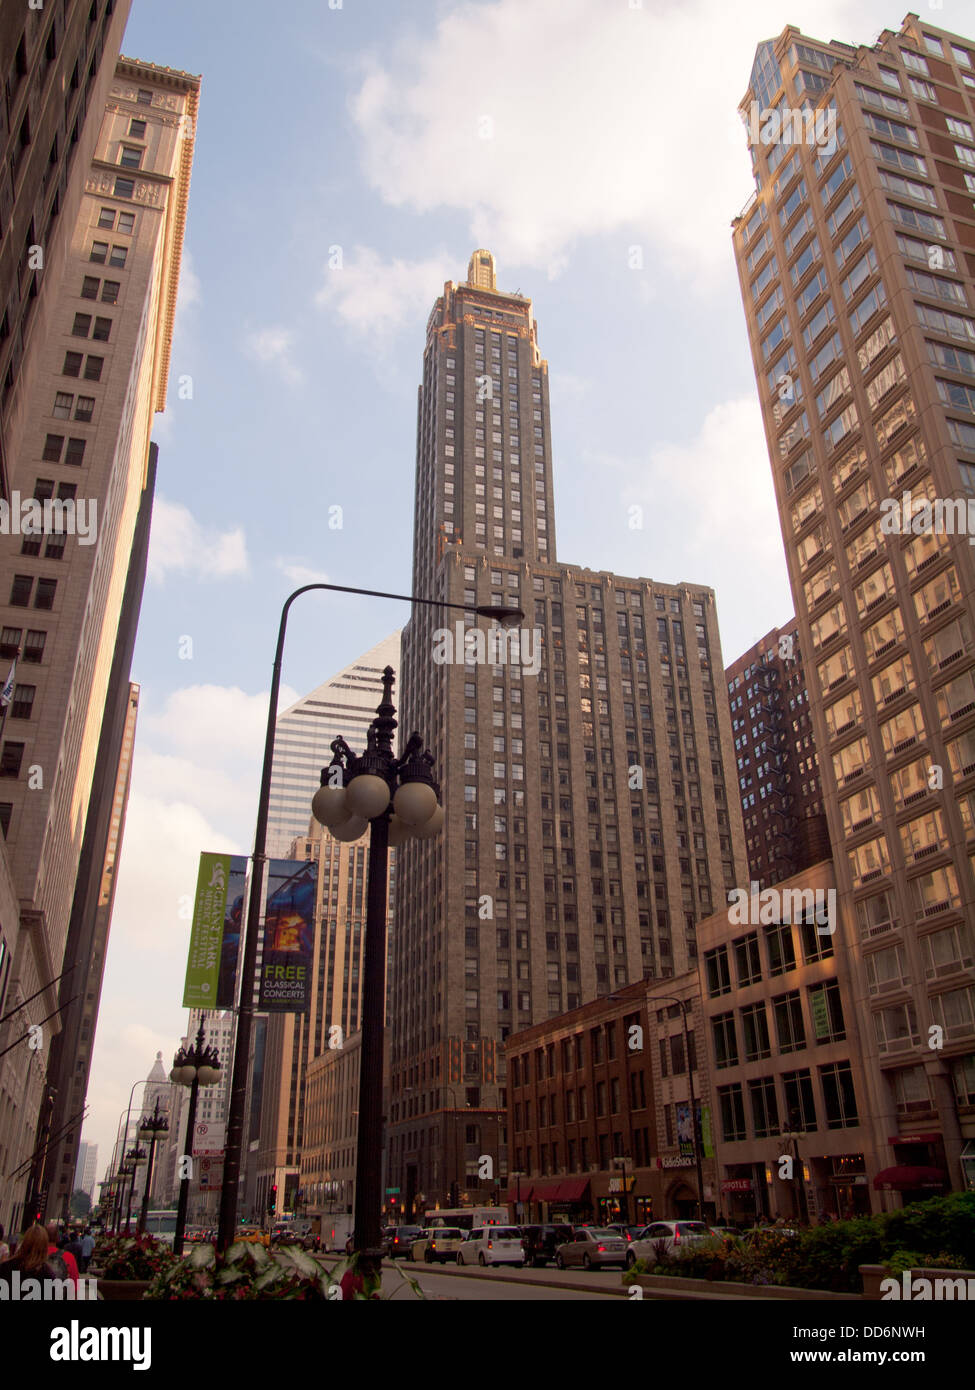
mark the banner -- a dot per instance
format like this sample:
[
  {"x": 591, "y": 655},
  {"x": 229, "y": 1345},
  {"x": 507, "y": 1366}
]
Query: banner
[
  {"x": 233, "y": 927},
  {"x": 206, "y": 935},
  {"x": 289, "y": 936},
  {"x": 685, "y": 1130}
]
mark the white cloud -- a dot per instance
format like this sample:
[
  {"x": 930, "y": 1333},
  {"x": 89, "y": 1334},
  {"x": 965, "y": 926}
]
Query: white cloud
[
  {"x": 274, "y": 345},
  {"x": 375, "y": 299},
  {"x": 300, "y": 574},
  {"x": 213, "y": 724},
  {"x": 563, "y": 119},
  {"x": 180, "y": 543}
]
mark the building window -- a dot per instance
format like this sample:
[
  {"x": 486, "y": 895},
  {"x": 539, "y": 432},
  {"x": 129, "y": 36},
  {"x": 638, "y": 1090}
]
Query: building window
[
  {"x": 10, "y": 759},
  {"x": 53, "y": 444},
  {"x": 72, "y": 364},
  {"x": 75, "y": 452},
  {"x": 93, "y": 368},
  {"x": 124, "y": 188},
  {"x": 81, "y": 326},
  {"x": 118, "y": 256},
  {"x": 765, "y": 1109},
  {"x": 34, "y": 646},
  {"x": 838, "y": 1095},
  {"x": 732, "y": 1108},
  {"x": 106, "y": 218},
  {"x": 788, "y": 1022},
  {"x": 23, "y": 701},
  {"x": 110, "y": 291},
  {"x": 137, "y": 129},
  {"x": 89, "y": 287},
  {"x": 44, "y": 598},
  {"x": 103, "y": 328},
  {"x": 99, "y": 252}
]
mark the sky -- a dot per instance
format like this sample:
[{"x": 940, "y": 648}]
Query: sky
[{"x": 350, "y": 156}]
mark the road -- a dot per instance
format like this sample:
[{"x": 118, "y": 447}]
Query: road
[{"x": 494, "y": 1285}]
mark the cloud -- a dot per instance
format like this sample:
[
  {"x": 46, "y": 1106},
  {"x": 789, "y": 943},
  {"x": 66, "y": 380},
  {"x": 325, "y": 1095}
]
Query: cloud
[
  {"x": 300, "y": 574},
  {"x": 585, "y": 119},
  {"x": 375, "y": 299},
  {"x": 273, "y": 345},
  {"x": 212, "y": 724},
  {"x": 179, "y": 543}
]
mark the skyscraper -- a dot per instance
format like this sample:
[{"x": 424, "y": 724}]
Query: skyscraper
[
  {"x": 587, "y": 771},
  {"x": 785, "y": 830},
  {"x": 341, "y": 707},
  {"x": 80, "y": 448},
  {"x": 856, "y": 256}
]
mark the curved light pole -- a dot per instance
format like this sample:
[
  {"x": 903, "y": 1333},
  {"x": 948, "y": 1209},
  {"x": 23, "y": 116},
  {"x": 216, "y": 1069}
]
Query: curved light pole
[
  {"x": 150, "y": 1128},
  {"x": 194, "y": 1066},
  {"x": 134, "y": 1157},
  {"x": 245, "y": 1011}
]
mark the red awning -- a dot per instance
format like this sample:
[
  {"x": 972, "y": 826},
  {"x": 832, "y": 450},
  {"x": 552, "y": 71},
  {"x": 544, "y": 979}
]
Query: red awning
[
  {"x": 519, "y": 1194},
  {"x": 568, "y": 1190},
  {"x": 906, "y": 1179}
]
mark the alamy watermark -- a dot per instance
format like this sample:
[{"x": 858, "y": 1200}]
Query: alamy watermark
[
  {"x": 791, "y": 126},
  {"x": 499, "y": 646},
  {"x": 29, "y": 516},
  {"x": 752, "y": 907},
  {"x": 921, "y": 516},
  {"x": 921, "y": 1289},
  {"x": 27, "y": 1289}
]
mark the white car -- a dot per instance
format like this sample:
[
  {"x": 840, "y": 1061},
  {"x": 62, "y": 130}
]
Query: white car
[
  {"x": 492, "y": 1245},
  {"x": 671, "y": 1236}
]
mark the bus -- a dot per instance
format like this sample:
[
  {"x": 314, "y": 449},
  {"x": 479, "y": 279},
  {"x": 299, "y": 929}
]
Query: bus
[
  {"x": 160, "y": 1224},
  {"x": 466, "y": 1218}
]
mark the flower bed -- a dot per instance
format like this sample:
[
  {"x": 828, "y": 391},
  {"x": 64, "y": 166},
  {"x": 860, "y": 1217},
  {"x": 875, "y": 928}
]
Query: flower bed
[
  {"x": 936, "y": 1234},
  {"x": 249, "y": 1270},
  {"x": 131, "y": 1257}
]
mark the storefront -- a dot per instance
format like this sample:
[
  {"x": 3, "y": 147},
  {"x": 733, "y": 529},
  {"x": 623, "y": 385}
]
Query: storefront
[
  {"x": 846, "y": 1191},
  {"x": 919, "y": 1170},
  {"x": 566, "y": 1200},
  {"x": 628, "y": 1200}
]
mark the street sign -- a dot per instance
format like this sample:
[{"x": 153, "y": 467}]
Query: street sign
[
  {"x": 211, "y": 1173},
  {"x": 392, "y": 1192},
  {"x": 209, "y": 1138}
]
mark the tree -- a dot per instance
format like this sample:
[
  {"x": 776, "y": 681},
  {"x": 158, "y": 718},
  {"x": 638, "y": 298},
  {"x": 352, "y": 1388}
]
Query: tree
[{"x": 80, "y": 1203}]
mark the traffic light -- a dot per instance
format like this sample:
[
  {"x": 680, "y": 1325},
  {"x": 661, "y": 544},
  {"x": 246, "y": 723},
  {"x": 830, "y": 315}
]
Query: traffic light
[
  {"x": 455, "y": 1063},
  {"x": 272, "y": 1198}
]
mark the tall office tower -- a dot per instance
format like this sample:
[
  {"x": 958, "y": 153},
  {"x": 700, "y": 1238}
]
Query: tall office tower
[
  {"x": 82, "y": 445},
  {"x": 293, "y": 1041},
  {"x": 56, "y": 64},
  {"x": 857, "y": 265},
  {"x": 87, "y": 1170},
  {"x": 342, "y": 707},
  {"x": 587, "y": 776},
  {"x": 785, "y": 829}
]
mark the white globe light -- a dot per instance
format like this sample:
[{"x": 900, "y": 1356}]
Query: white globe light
[
  {"x": 431, "y": 827},
  {"x": 398, "y": 830},
  {"x": 350, "y": 829},
  {"x": 208, "y": 1075},
  {"x": 367, "y": 795},
  {"x": 187, "y": 1075},
  {"x": 415, "y": 802},
  {"x": 328, "y": 805}
]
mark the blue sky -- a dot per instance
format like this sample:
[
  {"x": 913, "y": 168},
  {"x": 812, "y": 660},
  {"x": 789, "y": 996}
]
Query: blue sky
[{"x": 594, "y": 147}]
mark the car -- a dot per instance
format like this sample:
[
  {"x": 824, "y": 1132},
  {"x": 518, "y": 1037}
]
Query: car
[
  {"x": 492, "y": 1245},
  {"x": 253, "y": 1233},
  {"x": 540, "y": 1242},
  {"x": 437, "y": 1244},
  {"x": 668, "y": 1236},
  {"x": 294, "y": 1233},
  {"x": 592, "y": 1247},
  {"x": 397, "y": 1241},
  {"x": 627, "y": 1232}
]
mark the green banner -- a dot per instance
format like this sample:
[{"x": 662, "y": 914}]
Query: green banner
[
  {"x": 820, "y": 1012},
  {"x": 707, "y": 1140},
  {"x": 206, "y": 938}
]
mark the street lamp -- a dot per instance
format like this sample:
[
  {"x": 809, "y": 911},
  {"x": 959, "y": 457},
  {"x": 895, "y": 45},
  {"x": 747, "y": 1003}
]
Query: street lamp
[
  {"x": 194, "y": 1066},
  {"x": 622, "y": 1160},
  {"x": 517, "y": 1177},
  {"x": 245, "y": 1012},
  {"x": 356, "y": 793},
  {"x": 674, "y": 999},
  {"x": 135, "y": 1157},
  {"x": 150, "y": 1128},
  {"x": 794, "y": 1134}
]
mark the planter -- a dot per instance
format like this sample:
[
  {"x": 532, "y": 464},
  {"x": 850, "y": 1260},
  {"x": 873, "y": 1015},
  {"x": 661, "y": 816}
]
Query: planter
[
  {"x": 872, "y": 1276},
  {"x": 122, "y": 1290},
  {"x": 675, "y": 1286},
  {"x": 940, "y": 1283}
]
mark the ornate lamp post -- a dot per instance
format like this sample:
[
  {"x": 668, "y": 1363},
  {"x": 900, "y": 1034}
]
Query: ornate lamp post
[
  {"x": 150, "y": 1128},
  {"x": 194, "y": 1066},
  {"x": 249, "y": 945},
  {"x": 794, "y": 1134},
  {"x": 399, "y": 800},
  {"x": 134, "y": 1157}
]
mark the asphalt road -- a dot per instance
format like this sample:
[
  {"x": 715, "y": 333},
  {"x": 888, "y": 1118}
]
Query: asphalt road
[{"x": 446, "y": 1282}]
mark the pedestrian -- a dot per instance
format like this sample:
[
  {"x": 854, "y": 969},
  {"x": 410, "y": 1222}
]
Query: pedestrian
[
  {"x": 4, "y": 1248},
  {"x": 61, "y": 1259},
  {"x": 73, "y": 1247},
  {"x": 30, "y": 1258},
  {"x": 87, "y": 1249}
]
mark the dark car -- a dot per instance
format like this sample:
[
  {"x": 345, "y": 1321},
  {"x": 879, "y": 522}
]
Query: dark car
[
  {"x": 539, "y": 1242},
  {"x": 398, "y": 1241}
]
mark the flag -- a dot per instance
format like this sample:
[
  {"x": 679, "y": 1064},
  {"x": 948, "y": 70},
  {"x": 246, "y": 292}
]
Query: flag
[{"x": 7, "y": 693}]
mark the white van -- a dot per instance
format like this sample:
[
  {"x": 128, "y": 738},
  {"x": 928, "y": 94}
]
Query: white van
[{"x": 492, "y": 1245}]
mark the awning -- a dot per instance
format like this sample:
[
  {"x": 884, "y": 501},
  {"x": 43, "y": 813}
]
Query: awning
[
  {"x": 568, "y": 1190},
  {"x": 520, "y": 1193},
  {"x": 906, "y": 1179}
]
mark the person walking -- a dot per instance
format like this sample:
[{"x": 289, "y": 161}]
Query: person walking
[
  {"x": 61, "y": 1258},
  {"x": 87, "y": 1249},
  {"x": 30, "y": 1258}
]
